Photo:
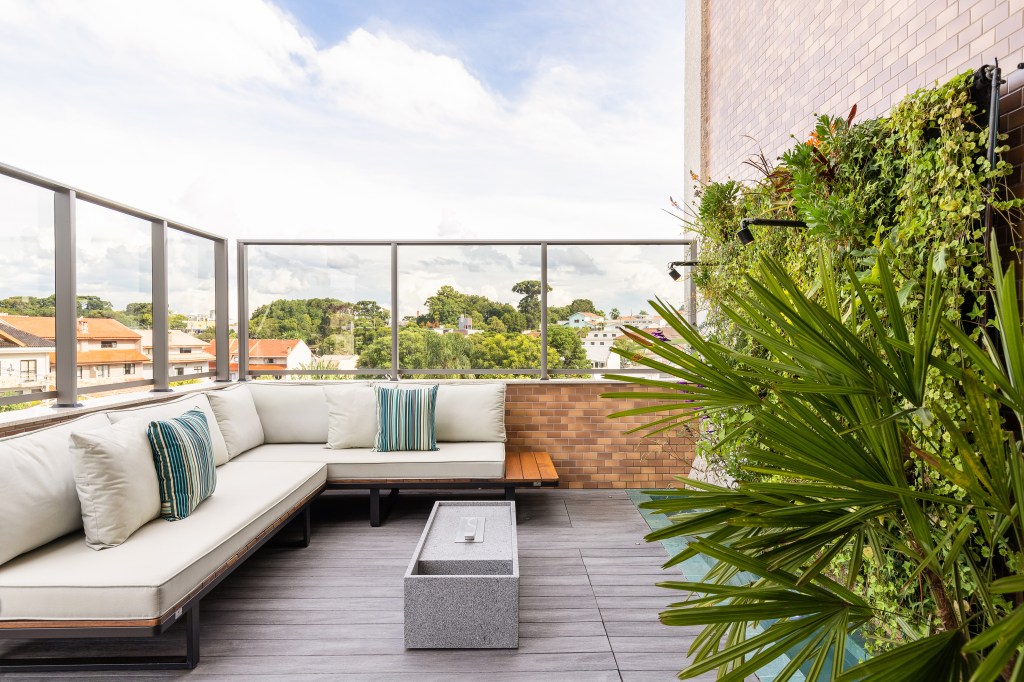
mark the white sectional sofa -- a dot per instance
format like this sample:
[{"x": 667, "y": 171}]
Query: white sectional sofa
[{"x": 270, "y": 446}]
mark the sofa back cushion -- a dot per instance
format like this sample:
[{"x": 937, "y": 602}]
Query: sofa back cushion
[
  {"x": 352, "y": 415},
  {"x": 183, "y": 456},
  {"x": 470, "y": 412},
  {"x": 405, "y": 418},
  {"x": 237, "y": 417},
  {"x": 116, "y": 481},
  {"x": 291, "y": 413},
  {"x": 38, "y": 498},
  {"x": 174, "y": 408}
]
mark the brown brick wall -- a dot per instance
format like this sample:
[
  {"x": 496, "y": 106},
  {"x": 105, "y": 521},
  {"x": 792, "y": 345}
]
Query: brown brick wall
[
  {"x": 570, "y": 421},
  {"x": 567, "y": 419},
  {"x": 773, "y": 65}
]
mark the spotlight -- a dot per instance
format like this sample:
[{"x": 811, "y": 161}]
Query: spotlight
[
  {"x": 673, "y": 273},
  {"x": 747, "y": 237}
]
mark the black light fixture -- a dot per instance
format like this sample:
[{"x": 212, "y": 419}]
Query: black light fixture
[
  {"x": 675, "y": 274},
  {"x": 747, "y": 237}
]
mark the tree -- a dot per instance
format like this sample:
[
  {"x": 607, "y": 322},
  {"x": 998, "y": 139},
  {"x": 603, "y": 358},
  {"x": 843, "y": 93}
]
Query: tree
[
  {"x": 614, "y": 314},
  {"x": 568, "y": 349},
  {"x": 445, "y": 307},
  {"x": 584, "y": 305},
  {"x": 629, "y": 350},
  {"x": 495, "y": 325},
  {"x": 529, "y": 304},
  {"x": 867, "y": 467},
  {"x": 505, "y": 351}
]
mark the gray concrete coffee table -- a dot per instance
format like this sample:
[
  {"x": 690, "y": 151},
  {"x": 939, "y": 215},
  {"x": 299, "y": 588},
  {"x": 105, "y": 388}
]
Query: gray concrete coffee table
[{"x": 462, "y": 585}]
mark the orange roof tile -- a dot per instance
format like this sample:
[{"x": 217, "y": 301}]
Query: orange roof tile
[
  {"x": 96, "y": 328},
  {"x": 259, "y": 348},
  {"x": 107, "y": 357}
]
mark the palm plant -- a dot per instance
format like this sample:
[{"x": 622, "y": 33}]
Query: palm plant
[{"x": 859, "y": 457}]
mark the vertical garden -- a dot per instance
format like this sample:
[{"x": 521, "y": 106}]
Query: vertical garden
[{"x": 862, "y": 378}]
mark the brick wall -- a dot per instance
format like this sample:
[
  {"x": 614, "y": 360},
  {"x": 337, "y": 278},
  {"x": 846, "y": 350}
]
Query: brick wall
[
  {"x": 771, "y": 66},
  {"x": 570, "y": 421},
  {"x": 567, "y": 419}
]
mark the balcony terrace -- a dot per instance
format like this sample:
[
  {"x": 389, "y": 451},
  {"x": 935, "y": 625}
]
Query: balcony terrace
[{"x": 588, "y": 604}]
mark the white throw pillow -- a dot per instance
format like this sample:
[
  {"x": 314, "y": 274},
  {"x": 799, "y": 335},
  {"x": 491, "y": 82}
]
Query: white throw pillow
[
  {"x": 116, "y": 481},
  {"x": 237, "y": 418},
  {"x": 351, "y": 416},
  {"x": 175, "y": 408},
  {"x": 470, "y": 412},
  {"x": 290, "y": 413},
  {"x": 38, "y": 498}
]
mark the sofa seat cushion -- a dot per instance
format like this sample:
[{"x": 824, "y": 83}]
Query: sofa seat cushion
[
  {"x": 162, "y": 562},
  {"x": 450, "y": 460}
]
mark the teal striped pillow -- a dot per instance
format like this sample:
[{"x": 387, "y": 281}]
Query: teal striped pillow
[
  {"x": 405, "y": 418},
  {"x": 185, "y": 467}
]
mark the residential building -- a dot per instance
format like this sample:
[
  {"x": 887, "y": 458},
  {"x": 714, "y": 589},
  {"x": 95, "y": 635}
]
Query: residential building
[
  {"x": 185, "y": 354},
  {"x": 24, "y": 360},
  {"x": 198, "y": 323},
  {"x": 267, "y": 355},
  {"x": 107, "y": 351},
  {"x": 598, "y": 345},
  {"x": 584, "y": 319},
  {"x": 641, "y": 321}
]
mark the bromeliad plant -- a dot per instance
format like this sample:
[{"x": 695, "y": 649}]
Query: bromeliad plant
[{"x": 839, "y": 424}]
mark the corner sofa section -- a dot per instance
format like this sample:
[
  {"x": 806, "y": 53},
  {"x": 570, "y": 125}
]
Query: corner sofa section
[{"x": 272, "y": 461}]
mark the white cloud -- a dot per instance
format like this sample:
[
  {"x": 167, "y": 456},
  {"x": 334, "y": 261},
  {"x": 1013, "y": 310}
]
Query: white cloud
[{"x": 226, "y": 115}]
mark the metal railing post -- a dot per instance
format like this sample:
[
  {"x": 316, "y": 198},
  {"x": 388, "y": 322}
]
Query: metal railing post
[
  {"x": 66, "y": 322},
  {"x": 543, "y": 311},
  {"x": 691, "y": 313},
  {"x": 161, "y": 327},
  {"x": 243, "y": 313},
  {"x": 394, "y": 311},
  {"x": 221, "y": 304}
]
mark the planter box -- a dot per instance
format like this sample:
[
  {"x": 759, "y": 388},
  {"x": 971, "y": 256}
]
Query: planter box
[{"x": 462, "y": 591}]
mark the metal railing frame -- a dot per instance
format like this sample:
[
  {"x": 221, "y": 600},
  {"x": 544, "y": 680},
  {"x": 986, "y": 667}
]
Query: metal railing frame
[
  {"x": 395, "y": 372},
  {"x": 66, "y": 293}
]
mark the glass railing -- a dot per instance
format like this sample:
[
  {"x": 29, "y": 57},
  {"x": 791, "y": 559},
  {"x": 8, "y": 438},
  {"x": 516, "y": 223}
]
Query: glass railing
[
  {"x": 100, "y": 298},
  {"x": 329, "y": 309}
]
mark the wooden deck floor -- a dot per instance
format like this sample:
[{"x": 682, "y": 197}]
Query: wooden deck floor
[{"x": 588, "y": 605}]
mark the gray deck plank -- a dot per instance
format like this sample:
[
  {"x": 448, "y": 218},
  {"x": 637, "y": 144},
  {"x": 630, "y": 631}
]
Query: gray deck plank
[{"x": 334, "y": 611}]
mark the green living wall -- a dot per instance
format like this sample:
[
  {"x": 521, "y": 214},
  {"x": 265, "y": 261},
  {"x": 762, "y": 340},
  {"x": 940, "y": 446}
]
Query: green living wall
[{"x": 912, "y": 187}]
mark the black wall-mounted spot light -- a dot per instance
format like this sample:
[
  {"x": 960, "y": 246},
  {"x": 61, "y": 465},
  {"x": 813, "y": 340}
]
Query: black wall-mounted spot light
[
  {"x": 747, "y": 237},
  {"x": 675, "y": 274}
]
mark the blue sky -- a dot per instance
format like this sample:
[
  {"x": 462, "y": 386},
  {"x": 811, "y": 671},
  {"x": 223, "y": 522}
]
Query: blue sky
[{"x": 322, "y": 118}]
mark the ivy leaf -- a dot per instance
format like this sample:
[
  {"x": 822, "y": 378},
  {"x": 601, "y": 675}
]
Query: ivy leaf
[{"x": 939, "y": 261}]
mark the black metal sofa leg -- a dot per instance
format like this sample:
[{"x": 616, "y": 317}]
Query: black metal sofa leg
[{"x": 49, "y": 665}]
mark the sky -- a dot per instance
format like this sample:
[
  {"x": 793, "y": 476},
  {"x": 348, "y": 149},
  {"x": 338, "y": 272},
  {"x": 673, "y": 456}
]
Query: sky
[{"x": 346, "y": 120}]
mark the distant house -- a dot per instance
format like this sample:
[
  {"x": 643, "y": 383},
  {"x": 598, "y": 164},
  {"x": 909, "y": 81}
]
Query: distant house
[
  {"x": 198, "y": 323},
  {"x": 108, "y": 351},
  {"x": 640, "y": 321},
  {"x": 598, "y": 345},
  {"x": 584, "y": 319},
  {"x": 24, "y": 360},
  {"x": 267, "y": 354},
  {"x": 185, "y": 354}
]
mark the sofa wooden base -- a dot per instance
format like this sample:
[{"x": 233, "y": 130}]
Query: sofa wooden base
[
  {"x": 188, "y": 610},
  {"x": 522, "y": 470}
]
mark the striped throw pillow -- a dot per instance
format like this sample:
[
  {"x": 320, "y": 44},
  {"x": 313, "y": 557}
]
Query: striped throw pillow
[
  {"x": 405, "y": 418},
  {"x": 183, "y": 453}
]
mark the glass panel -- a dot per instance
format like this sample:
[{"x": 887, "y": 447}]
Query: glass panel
[
  {"x": 191, "y": 300},
  {"x": 26, "y": 291},
  {"x": 472, "y": 306},
  {"x": 115, "y": 302},
  {"x": 318, "y": 308},
  {"x": 595, "y": 290}
]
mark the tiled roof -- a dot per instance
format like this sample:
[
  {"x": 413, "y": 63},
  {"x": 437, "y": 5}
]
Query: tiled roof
[
  {"x": 96, "y": 328},
  {"x": 260, "y": 348},
  {"x": 107, "y": 357},
  {"x": 12, "y": 337}
]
